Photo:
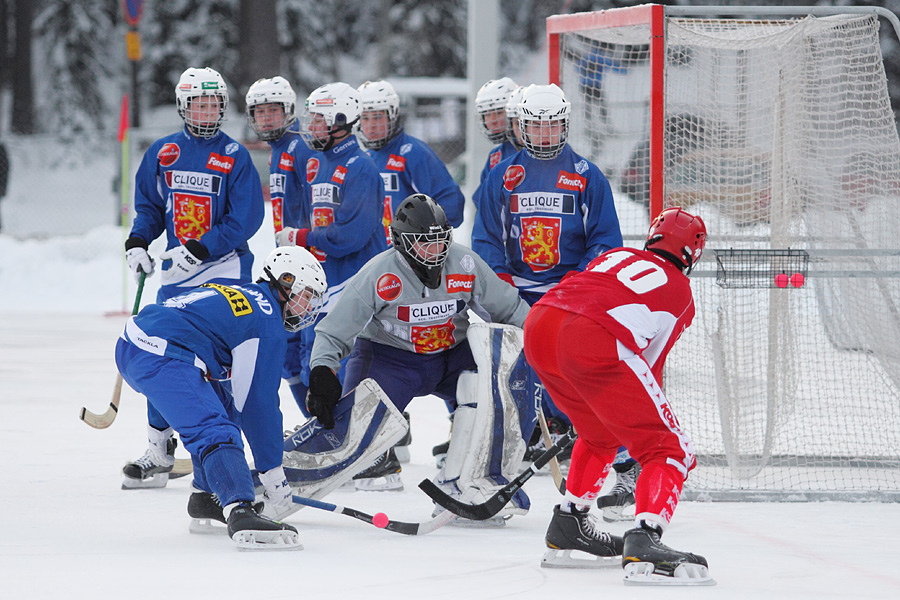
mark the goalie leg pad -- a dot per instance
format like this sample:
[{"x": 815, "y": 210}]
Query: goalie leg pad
[
  {"x": 317, "y": 461},
  {"x": 489, "y": 440}
]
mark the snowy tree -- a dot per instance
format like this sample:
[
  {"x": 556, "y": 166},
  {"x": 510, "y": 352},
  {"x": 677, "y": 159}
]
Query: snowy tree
[{"x": 75, "y": 67}]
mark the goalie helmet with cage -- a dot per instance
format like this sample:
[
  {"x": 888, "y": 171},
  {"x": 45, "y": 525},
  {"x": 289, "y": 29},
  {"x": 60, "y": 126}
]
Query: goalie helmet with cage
[
  {"x": 299, "y": 282},
  {"x": 330, "y": 109},
  {"x": 421, "y": 233},
  {"x": 678, "y": 236},
  {"x": 207, "y": 116},
  {"x": 377, "y": 97},
  {"x": 544, "y": 120},
  {"x": 276, "y": 91},
  {"x": 491, "y": 100}
]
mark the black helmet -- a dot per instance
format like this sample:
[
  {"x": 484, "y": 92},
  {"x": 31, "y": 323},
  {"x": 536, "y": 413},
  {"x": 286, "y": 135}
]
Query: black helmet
[{"x": 421, "y": 233}]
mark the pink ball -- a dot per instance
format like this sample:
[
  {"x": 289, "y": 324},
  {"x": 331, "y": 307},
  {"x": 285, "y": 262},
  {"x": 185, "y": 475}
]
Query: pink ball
[
  {"x": 380, "y": 520},
  {"x": 781, "y": 280},
  {"x": 797, "y": 279}
]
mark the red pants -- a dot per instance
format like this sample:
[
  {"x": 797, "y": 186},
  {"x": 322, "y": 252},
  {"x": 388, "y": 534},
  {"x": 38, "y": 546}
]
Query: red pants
[{"x": 613, "y": 399}]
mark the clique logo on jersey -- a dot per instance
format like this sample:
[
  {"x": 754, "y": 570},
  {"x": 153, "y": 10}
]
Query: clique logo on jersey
[
  {"x": 396, "y": 163},
  {"x": 312, "y": 169},
  {"x": 456, "y": 282},
  {"x": 277, "y": 184},
  {"x": 388, "y": 287},
  {"x": 548, "y": 202},
  {"x": 192, "y": 181},
  {"x": 427, "y": 312},
  {"x": 339, "y": 173},
  {"x": 168, "y": 154},
  {"x": 514, "y": 175},
  {"x": 286, "y": 162},
  {"x": 220, "y": 163},
  {"x": 570, "y": 181}
]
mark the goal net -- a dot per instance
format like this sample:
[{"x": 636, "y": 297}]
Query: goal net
[{"x": 780, "y": 134}]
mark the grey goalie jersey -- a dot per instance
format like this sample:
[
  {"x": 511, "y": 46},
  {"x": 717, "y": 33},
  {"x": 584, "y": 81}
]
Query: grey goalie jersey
[{"x": 386, "y": 303}]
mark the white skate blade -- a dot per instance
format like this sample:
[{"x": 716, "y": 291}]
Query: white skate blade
[
  {"x": 613, "y": 514},
  {"x": 155, "y": 481},
  {"x": 642, "y": 573},
  {"x": 387, "y": 483},
  {"x": 402, "y": 454},
  {"x": 250, "y": 539},
  {"x": 207, "y": 527},
  {"x": 576, "y": 559},
  {"x": 495, "y": 522}
]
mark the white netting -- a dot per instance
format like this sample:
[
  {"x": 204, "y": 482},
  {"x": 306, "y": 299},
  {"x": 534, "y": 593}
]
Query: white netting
[{"x": 780, "y": 135}]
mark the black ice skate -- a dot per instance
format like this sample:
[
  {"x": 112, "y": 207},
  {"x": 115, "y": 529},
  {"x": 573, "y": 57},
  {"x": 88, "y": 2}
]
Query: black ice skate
[
  {"x": 439, "y": 453},
  {"x": 621, "y": 496},
  {"x": 382, "y": 476},
  {"x": 577, "y": 532},
  {"x": 647, "y": 561},
  {"x": 151, "y": 470},
  {"x": 205, "y": 511},
  {"x": 536, "y": 447},
  {"x": 252, "y": 531}
]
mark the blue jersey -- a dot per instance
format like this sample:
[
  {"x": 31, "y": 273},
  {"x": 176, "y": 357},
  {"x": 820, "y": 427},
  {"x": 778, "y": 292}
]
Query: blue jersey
[
  {"x": 229, "y": 332},
  {"x": 288, "y": 187},
  {"x": 409, "y": 166},
  {"x": 540, "y": 219},
  {"x": 202, "y": 189},
  {"x": 495, "y": 156}
]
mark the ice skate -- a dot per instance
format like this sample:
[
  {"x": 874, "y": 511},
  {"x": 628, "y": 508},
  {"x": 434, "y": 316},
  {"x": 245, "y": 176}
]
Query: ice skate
[
  {"x": 251, "y": 531},
  {"x": 205, "y": 511},
  {"x": 382, "y": 476},
  {"x": 647, "y": 561},
  {"x": 439, "y": 453},
  {"x": 575, "y": 542},
  {"x": 621, "y": 497},
  {"x": 401, "y": 448},
  {"x": 495, "y": 522},
  {"x": 536, "y": 447},
  {"x": 153, "y": 468}
]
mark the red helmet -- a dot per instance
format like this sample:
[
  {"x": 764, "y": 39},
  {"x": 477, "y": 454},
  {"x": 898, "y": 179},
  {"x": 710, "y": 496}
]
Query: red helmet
[{"x": 679, "y": 236}]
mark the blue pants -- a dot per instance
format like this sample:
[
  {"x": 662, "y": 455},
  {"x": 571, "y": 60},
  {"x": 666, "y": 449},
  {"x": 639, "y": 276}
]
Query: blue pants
[
  {"x": 404, "y": 375},
  {"x": 198, "y": 412}
]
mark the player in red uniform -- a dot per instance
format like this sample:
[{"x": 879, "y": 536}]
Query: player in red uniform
[{"x": 599, "y": 341}]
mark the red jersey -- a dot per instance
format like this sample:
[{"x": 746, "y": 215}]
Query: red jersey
[{"x": 641, "y": 298}]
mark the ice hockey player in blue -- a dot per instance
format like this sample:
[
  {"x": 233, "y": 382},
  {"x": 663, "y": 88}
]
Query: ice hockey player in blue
[
  {"x": 545, "y": 213},
  {"x": 271, "y": 107},
  {"x": 492, "y": 109},
  {"x": 200, "y": 187},
  {"x": 407, "y": 164},
  {"x": 345, "y": 193},
  {"x": 171, "y": 353}
]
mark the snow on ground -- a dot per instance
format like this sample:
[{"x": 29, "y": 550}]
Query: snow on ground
[{"x": 68, "y": 531}]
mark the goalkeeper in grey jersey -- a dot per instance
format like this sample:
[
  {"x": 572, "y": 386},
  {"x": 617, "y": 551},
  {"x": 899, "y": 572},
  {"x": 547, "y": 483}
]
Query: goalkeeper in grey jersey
[{"x": 402, "y": 319}]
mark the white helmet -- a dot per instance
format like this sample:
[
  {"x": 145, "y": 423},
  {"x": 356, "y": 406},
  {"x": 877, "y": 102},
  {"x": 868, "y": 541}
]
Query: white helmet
[
  {"x": 512, "y": 117},
  {"x": 339, "y": 104},
  {"x": 276, "y": 90},
  {"x": 380, "y": 96},
  {"x": 544, "y": 105},
  {"x": 492, "y": 96},
  {"x": 299, "y": 281},
  {"x": 195, "y": 83}
]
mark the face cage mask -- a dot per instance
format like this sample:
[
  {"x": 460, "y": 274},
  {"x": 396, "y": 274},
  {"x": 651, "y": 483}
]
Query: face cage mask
[
  {"x": 391, "y": 132},
  {"x": 270, "y": 135},
  {"x": 535, "y": 148},
  {"x": 495, "y": 137},
  {"x": 203, "y": 129},
  {"x": 431, "y": 258},
  {"x": 321, "y": 144},
  {"x": 294, "y": 323}
]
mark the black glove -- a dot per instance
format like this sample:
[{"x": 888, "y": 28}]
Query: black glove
[{"x": 324, "y": 393}]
